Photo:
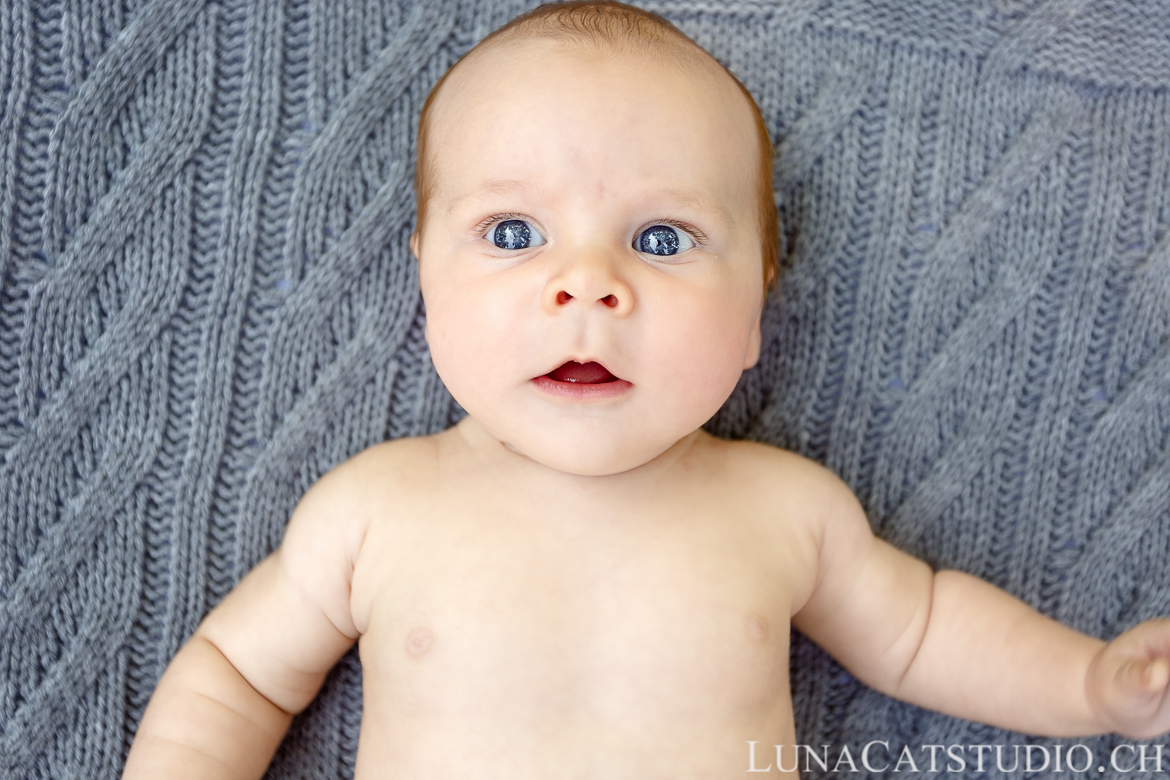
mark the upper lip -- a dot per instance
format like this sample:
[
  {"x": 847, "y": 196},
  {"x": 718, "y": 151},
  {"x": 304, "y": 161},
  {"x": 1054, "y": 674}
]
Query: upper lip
[{"x": 582, "y": 361}]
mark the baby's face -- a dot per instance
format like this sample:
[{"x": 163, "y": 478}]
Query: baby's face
[{"x": 622, "y": 193}]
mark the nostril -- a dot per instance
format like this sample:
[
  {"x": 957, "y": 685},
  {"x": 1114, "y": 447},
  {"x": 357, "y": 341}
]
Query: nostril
[
  {"x": 610, "y": 300},
  {"x": 563, "y": 297}
]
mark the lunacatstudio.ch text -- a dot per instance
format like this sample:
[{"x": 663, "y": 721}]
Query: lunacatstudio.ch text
[{"x": 880, "y": 756}]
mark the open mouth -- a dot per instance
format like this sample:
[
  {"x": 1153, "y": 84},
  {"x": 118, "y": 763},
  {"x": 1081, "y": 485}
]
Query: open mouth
[
  {"x": 573, "y": 381},
  {"x": 591, "y": 373}
]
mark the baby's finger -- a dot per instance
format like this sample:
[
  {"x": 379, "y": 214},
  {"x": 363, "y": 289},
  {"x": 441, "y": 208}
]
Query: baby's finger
[
  {"x": 1156, "y": 675},
  {"x": 1137, "y": 679}
]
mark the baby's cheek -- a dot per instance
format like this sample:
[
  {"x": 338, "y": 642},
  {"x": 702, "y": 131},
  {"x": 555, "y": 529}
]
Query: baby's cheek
[
  {"x": 454, "y": 336},
  {"x": 718, "y": 342}
]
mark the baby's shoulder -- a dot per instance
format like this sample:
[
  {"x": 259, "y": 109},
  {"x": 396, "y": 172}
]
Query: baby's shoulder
[
  {"x": 787, "y": 482},
  {"x": 360, "y": 488},
  {"x": 769, "y": 466},
  {"x": 386, "y": 465}
]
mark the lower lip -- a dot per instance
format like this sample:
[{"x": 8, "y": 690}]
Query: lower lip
[{"x": 582, "y": 391}]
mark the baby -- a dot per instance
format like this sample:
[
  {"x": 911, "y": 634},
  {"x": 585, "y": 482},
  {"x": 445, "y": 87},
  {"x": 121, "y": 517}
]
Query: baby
[{"x": 577, "y": 581}]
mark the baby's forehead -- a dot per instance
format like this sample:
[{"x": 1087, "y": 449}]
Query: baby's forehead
[
  {"x": 492, "y": 78},
  {"x": 532, "y": 109},
  {"x": 524, "y": 59}
]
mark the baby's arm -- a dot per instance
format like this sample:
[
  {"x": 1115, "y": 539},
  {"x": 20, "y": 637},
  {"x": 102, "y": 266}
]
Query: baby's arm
[
  {"x": 956, "y": 644},
  {"x": 228, "y": 696}
]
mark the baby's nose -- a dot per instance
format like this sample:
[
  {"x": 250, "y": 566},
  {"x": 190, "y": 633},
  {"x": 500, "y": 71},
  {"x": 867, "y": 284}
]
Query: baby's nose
[
  {"x": 618, "y": 300},
  {"x": 592, "y": 286}
]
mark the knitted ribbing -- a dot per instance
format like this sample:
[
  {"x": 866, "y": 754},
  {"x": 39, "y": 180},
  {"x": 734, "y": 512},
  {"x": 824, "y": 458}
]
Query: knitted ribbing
[{"x": 207, "y": 300}]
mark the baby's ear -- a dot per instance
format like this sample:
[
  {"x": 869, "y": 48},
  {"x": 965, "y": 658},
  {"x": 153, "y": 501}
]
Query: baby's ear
[
  {"x": 414, "y": 244},
  {"x": 753, "y": 352}
]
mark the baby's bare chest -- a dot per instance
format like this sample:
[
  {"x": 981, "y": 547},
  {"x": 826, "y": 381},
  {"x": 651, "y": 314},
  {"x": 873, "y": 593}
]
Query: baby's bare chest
[{"x": 672, "y": 616}]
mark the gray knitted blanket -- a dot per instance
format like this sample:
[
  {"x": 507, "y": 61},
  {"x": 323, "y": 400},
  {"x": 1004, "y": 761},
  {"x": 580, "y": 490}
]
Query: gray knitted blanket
[{"x": 207, "y": 300}]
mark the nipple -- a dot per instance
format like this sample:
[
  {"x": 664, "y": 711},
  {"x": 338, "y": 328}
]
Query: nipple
[
  {"x": 419, "y": 641},
  {"x": 757, "y": 628}
]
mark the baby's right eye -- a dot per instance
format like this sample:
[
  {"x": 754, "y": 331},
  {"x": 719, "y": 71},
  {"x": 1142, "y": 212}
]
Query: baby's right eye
[{"x": 513, "y": 234}]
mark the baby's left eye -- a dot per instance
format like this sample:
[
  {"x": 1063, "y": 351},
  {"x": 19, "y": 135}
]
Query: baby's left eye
[{"x": 662, "y": 240}]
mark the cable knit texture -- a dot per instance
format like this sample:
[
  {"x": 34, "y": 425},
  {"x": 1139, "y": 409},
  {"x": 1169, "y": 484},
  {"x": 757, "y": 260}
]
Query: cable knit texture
[{"x": 207, "y": 300}]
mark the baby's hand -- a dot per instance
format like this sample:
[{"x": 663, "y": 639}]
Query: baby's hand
[{"x": 1128, "y": 683}]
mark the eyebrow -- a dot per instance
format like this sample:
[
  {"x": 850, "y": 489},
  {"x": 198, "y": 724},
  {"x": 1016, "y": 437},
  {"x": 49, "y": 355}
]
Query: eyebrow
[
  {"x": 679, "y": 197},
  {"x": 492, "y": 187}
]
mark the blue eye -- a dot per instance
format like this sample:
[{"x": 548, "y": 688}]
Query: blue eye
[
  {"x": 513, "y": 234},
  {"x": 663, "y": 240}
]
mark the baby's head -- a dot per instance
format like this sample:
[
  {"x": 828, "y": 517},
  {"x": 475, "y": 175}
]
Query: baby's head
[{"x": 592, "y": 188}]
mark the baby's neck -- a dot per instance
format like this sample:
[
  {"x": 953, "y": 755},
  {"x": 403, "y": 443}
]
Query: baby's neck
[{"x": 509, "y": 465}]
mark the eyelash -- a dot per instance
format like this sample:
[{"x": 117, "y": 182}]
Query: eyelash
[{"x": 699, "y": 237}]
